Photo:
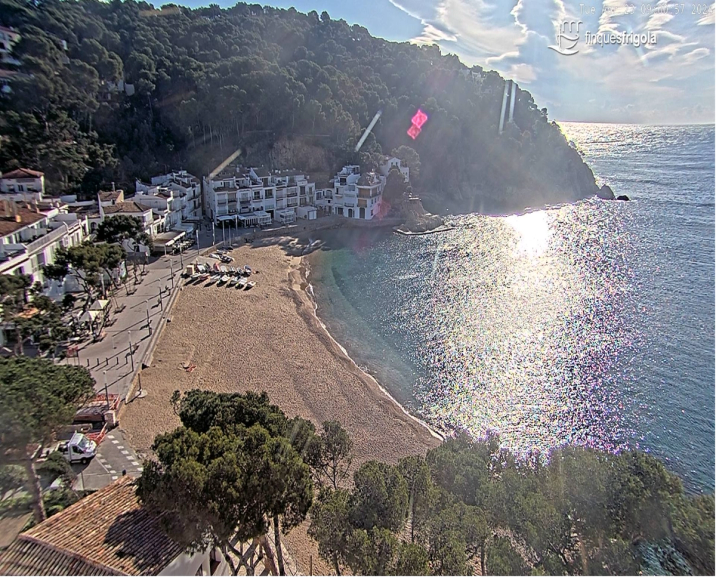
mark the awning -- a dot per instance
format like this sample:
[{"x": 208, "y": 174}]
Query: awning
[
  {"x": 184, "y": 227},
  {"x": 165, "y": 239},
  {"x": 258, "y": 217},
  {"x": 99, "y": 305},
  {"x": 89, "y": 316}
]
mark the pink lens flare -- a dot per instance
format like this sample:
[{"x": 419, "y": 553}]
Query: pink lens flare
[
  {"x": 419, "y": 119},
  {"x": 413, "y": 131}
]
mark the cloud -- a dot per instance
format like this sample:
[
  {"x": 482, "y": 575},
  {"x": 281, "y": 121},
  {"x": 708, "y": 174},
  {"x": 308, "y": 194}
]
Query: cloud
[
  {"x": 600, "y": 83},
  {"x": 522, "y": 73},
  {"x": 708, "y": 18},
  {"x": 695, "y": 55}
]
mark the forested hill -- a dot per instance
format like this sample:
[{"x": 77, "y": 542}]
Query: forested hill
[{"x": 285, "y": 88}]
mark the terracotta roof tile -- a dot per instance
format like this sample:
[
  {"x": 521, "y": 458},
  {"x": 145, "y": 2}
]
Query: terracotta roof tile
[
  {"x": 9, "y": 224},
  {"x": 106, "y": 533},
  {"x": 126, "y": 206},
  {"x": 23, "y": 173}
]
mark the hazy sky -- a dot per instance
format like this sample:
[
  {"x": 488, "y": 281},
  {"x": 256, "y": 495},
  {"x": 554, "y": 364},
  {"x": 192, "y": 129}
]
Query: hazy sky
[{"x": 671, "y": 81}]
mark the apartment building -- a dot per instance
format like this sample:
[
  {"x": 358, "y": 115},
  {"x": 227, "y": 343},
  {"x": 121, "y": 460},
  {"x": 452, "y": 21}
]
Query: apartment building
[
  {"x": 31, "y": 234},
  {"x": 255, "y": 196},
  {"x": 186, "y": 189},
  {"x": 352, "y": 194}
]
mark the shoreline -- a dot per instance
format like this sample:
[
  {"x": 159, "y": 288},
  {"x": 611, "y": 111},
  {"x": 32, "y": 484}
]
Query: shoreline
[
  {"x": 305, "y": 268},
  {"x": 270, "y": 339}
]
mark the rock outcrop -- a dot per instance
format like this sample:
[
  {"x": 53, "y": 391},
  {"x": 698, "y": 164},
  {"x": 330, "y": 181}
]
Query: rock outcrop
[
  {"x": 605, "y": 192},
  {"x": 417, "y": 219}
]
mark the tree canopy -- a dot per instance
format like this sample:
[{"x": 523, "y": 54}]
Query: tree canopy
[
  {"x": 88, "y": 262},
  {"x": 137, "y": 89},
  {"x": 231, "y": 471},
  {"x": 122, "y": 227},
  {"x": 37, "y": 398},
  {"x": 471, "y": 506}
]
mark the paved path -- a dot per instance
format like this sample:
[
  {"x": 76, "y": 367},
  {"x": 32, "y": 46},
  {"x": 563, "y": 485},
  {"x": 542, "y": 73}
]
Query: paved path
[{"x": 142, "y": 310}]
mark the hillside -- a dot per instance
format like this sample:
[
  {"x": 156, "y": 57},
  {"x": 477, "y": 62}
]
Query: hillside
[{"x": 285, "y": 88}]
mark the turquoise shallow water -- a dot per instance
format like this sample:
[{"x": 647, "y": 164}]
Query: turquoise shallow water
[{"x": 590, "y": 323}]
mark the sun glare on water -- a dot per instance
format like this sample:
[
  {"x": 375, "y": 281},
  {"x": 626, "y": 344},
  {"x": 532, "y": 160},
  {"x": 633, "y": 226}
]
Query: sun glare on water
[{"x": 533, "y": 230}]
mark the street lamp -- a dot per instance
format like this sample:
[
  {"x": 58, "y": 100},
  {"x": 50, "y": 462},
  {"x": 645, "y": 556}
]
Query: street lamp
[
  {"x": 131, "y": 349},
  {"x": 149, "y": 323},
  {"x": 106, "y": 393},
  {"x": 223, "y": 233},
  {"x": 171, "y": 269},
  {"x": 213, "y": 234}
]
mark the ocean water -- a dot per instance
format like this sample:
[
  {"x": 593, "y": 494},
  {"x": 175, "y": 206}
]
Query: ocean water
[{"x": 589, "y": 323}]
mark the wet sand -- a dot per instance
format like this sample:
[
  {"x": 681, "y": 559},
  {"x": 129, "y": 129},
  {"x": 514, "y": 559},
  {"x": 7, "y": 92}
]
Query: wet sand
[{"x": 269, "y": 339}]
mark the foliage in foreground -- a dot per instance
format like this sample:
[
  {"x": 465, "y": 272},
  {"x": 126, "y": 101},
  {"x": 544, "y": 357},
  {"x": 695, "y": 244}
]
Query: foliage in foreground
[
  {"x": 238, "y": 465},
  {"x": 470, "y": 506},
  {"x": 37, "y": 398}
]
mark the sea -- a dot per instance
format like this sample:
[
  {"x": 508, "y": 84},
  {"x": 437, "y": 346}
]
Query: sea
[{"x": 590, "y": 323}]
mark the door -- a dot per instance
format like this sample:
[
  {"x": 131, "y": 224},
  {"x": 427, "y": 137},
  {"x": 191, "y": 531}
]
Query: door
[
  {"x": 362, "y": 212},
  {"x": 350, "y": 213}
]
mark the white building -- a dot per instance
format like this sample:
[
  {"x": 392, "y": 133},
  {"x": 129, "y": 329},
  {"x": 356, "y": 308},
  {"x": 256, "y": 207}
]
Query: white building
[
  {"x": 143, "y": 213},
  {"x": 255, "y": 196},
  {"x": 8, "y": 38},
  {"x": 106, "y": 533},
  {"x": 30, "y": 237},
  {"x": 353, "y": 195},
  {"x": 390, "y": 162},
  {"x": 186, "y": 189},
  {"x": 22, "y": 184}
]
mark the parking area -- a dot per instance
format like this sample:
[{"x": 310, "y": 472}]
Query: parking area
[{"x": 114, "y": 458}]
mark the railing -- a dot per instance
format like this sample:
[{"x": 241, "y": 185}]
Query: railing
[{"x": 51, "y": 237}]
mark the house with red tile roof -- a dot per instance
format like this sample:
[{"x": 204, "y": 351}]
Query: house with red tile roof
[
  {"x": 106, "y": 533},
  {"x": 22, "y": 184}
]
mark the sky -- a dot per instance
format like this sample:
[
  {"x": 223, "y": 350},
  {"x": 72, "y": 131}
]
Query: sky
[{"x": 669, "y": 80}]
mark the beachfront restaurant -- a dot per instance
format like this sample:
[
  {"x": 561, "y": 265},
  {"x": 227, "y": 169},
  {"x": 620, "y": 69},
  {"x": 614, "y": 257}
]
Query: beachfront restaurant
[
  {"x": 165, "y": 241},
  {"x": 286, "y": 216},
  {"x": 256, "y": 218}
]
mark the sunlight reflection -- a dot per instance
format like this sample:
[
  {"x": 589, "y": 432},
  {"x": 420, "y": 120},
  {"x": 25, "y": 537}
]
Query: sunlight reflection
[{"x": 533, "y": 230}]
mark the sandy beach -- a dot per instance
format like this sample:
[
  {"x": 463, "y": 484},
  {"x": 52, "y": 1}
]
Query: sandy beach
[{"x": 269, "y": 339}]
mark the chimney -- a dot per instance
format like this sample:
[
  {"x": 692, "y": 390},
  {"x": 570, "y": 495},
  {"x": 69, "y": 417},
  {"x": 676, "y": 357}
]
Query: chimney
[
  {"x": 113, "y": 187},
  {"x": 18, "y": 218}
]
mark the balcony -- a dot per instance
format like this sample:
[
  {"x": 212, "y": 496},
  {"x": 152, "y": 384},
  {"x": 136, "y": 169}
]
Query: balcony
[{"x": 51, "y": 237}]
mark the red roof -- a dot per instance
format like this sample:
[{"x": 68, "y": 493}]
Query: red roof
[
  {"x": 23, "y": 173},
  {"x": 106, "y": 533}
]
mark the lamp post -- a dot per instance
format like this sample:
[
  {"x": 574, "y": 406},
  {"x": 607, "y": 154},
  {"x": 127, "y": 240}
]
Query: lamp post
[
  {"x": 223, "y": 233},
  {"x": 213, "y": 234},
  {"x": 149, "y": 323},
  {"x": 171, "y": 272},
  {"x": 106, "y": 393},
  {"x": 197, "y": 244},
  {"x": 131, "y": 349}
]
